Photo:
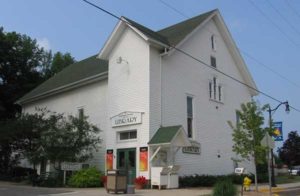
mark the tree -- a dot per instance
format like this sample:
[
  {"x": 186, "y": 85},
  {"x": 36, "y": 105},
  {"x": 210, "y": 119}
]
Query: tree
[
  {"x": 57, "y": 138},
  {"x": 289, "y": 153},
  {"x": 20, "y": 60},
  {"x": 248, "y": 133},
  {"x": 56, "y": 63}
]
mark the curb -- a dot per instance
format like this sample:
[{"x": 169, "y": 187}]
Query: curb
[{"x": 274, "y": 190}]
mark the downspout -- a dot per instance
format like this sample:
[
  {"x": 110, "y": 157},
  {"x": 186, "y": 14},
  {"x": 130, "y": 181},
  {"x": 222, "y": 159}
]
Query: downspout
[{"x": 166, "y": 52}]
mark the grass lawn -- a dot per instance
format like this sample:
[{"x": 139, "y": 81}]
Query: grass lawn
[{"x": 287, "y": 179}]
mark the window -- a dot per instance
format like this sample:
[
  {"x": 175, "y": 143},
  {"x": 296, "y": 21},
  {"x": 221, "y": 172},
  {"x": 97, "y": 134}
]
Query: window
[
  {"x": 128, "y": 135},
  {"x": 237, "y": 116},
  {"x": 220, "y": 93},
  {"x": 213, "y": 42},
  {"x": 213, "y": 61},
  {"x": 189, "y": 116},
  {"x": 215, "y": 90},
  {"x": 215, "y": 87},
  {"x": 80, "y": 113}
]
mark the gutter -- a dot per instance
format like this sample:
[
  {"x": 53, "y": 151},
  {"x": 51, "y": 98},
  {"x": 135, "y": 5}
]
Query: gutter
[{"x": 64, "y": 88}]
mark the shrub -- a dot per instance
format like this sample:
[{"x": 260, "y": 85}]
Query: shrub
[
  {"x": 224, "y": 187},
  {"x": 89, "y": 177},
  {"x": 50, "y": 179}
]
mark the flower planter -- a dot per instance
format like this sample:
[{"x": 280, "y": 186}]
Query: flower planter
[{"x": 139, "y": 186}]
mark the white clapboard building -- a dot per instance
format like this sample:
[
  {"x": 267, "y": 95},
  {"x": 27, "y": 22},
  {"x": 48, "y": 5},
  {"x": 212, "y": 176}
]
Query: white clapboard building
[{"x": 156, "y": 105}]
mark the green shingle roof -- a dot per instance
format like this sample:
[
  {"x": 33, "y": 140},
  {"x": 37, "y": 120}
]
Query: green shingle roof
[
  {"x": 176, "y": 33},
  {"x": 164, "y": 135},
  {"x": 80, "y": 70},
  {"x": 92, "y": 66}
]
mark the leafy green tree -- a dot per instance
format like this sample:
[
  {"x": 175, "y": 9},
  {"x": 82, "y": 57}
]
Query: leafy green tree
[
  {"x": 60, "y": 61},
  {"x": 58, "y": 138},
  {"x": 289, "y": 152},
  {"x": 20, "y": 61},
  {"x": 248, "y": 133}
]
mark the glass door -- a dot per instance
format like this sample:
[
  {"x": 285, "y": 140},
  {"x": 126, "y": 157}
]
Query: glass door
[{"x": 126, "y": 160}]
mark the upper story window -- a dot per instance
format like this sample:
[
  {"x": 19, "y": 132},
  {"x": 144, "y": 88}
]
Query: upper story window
[
  {"x": 189, "y": 101},
  {"x": 213, "y": 61},
  {"x": 215, "y": 90},
  {"x": 213, "y": 42}
]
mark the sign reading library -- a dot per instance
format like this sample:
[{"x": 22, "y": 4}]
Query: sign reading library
[{"x": 126, "y": 118}]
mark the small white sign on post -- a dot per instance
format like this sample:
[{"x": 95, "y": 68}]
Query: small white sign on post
[
  {"x": 68, "y": 166},
  {"x": 239, "y": 170},
  {"x": 268, "y": 141}
]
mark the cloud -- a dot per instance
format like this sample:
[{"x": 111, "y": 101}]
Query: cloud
[{"x": 44, "y": 43}]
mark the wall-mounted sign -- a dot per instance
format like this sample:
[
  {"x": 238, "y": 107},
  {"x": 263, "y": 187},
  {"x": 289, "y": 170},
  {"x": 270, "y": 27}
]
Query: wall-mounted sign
[
  {"x": 277, "y": 133},
  {"x": 193, "y": 149},
  {"x": 144, "y": 159},
  {"x": 109, "y": 159},
  {"x": 126, "y": 118},
  {"x": 68, "y": 166}
]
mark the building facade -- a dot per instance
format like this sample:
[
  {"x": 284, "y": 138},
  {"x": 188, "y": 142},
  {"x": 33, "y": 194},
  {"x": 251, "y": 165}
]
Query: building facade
[{"x": 159, "y": 97}]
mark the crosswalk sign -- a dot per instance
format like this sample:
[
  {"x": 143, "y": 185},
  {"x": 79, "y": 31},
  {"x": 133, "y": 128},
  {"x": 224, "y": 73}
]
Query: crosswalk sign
[{"x": 277, "y": 133}]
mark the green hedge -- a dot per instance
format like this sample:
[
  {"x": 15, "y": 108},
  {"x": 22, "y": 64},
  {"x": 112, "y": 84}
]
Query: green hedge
[
  {"x": 90, "y": 177},
  {"x": 210, "y": 180}
]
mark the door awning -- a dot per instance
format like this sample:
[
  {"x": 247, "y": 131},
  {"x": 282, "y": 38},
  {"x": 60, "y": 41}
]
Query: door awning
[{"x": 171, "y": 135}]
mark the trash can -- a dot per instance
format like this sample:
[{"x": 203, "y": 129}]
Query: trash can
[{"x": 116, "y": 181}]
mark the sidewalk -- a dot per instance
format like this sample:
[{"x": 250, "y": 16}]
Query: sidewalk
[{"x": 201, "y": 191}]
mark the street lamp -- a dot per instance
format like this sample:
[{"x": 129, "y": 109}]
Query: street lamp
[{"x": 287, "y": 109}]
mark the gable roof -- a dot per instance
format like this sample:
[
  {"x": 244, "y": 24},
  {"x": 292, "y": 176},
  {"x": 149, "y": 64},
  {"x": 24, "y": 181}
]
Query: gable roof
[
  {"x": 171, "y": 135},
  {"x": 176, "y": 33},
  {"x": 71, "y": 76}
]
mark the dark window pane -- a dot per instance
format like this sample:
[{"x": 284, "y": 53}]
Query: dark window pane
[
  {"x": 121, "y": 159},
  {"x": 213, "y": 62},
  {"x": 190, "y": 127},
  {"x": 215, "y": 87},
  {"x": 210, "y": 90},
  {"x": 190, "y": 106},
  {"x": 131, "y": 159},
  {"x": 80, "y": 113},
  {"x": 220, "y": 93},
  {"x": 124, "y": 136},
  {"x": 133, "y": 135}
]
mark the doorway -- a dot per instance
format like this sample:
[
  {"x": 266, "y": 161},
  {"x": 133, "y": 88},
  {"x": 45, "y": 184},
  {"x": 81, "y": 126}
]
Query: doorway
[{"x": 126, "y": 160}]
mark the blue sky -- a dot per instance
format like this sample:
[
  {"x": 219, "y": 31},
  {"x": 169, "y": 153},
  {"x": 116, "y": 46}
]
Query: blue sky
[{"x": 78, "y": 28}]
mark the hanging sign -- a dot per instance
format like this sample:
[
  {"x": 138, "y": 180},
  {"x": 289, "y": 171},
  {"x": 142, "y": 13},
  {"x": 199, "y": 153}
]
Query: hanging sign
[
  {"x": 144, "y": 159},
  {"x": 193, "y": 149},
  {"x": 277, "y": 133},
  {"x": 109, "y": 159},
  {"x": 126, "y": 118},
  {"x": 69, "y": 166}
]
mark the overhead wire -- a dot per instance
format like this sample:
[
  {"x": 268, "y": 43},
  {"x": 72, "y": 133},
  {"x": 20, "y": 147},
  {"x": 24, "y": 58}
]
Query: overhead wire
[
  {"x": 292, "y": 8},
  {"x": 194, "y": 58},
  {"x": 283, "y": 17},
  {"x": 274, "y": 24}
]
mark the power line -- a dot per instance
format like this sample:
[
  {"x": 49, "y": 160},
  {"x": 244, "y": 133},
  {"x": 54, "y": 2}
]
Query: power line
[
  {"x": 194, "y": 58},
  {"x": 174, "y": 9},
  {"x": 245, "y": 53},
  {"x": 292, "y": 8},
  {"x": 274, "y": 24},
  {"x": 270, "y": 69},
  {"x": 283, "y": 17}
]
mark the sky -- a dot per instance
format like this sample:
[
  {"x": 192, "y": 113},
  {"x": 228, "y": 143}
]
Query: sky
[{"x": 267, "y": 33}]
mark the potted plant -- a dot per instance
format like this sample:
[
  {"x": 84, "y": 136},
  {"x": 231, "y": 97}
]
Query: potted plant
[
  {"x": 140, "y": 182},
  {"x": 104, "y": 181}
]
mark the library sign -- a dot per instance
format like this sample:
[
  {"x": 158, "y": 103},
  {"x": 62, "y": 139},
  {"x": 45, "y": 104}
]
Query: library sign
[
  {"x": 126, "y": 118},
  {"x": 193, "y": 149}
]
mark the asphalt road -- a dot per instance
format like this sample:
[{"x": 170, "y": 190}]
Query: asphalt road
[
  {"x": 6, "y": 190},
  {"x": 290, "y": 192}
]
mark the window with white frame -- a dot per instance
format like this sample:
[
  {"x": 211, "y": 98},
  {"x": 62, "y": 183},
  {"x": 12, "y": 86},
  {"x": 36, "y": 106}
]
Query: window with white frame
[
  {"x": 127, "y": 135},
  {"x": 215, "y": 90},
  {"x": 189, "y": 101}
]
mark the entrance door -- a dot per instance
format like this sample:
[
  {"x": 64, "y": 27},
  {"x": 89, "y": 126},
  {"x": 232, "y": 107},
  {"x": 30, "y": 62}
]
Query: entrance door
[{"x": 126, "y": 160}]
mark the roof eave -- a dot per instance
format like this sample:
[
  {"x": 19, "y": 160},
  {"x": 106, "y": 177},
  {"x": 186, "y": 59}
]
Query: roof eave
[{"x": 64, "y": 88}]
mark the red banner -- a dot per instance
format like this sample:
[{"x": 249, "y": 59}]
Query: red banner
[
  {"x": 144, "y": 159},
  {"x": 109, "y": 159}
]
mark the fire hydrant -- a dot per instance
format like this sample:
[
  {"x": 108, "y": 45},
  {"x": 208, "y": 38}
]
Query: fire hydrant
[{"x": 247, "y": 183}]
